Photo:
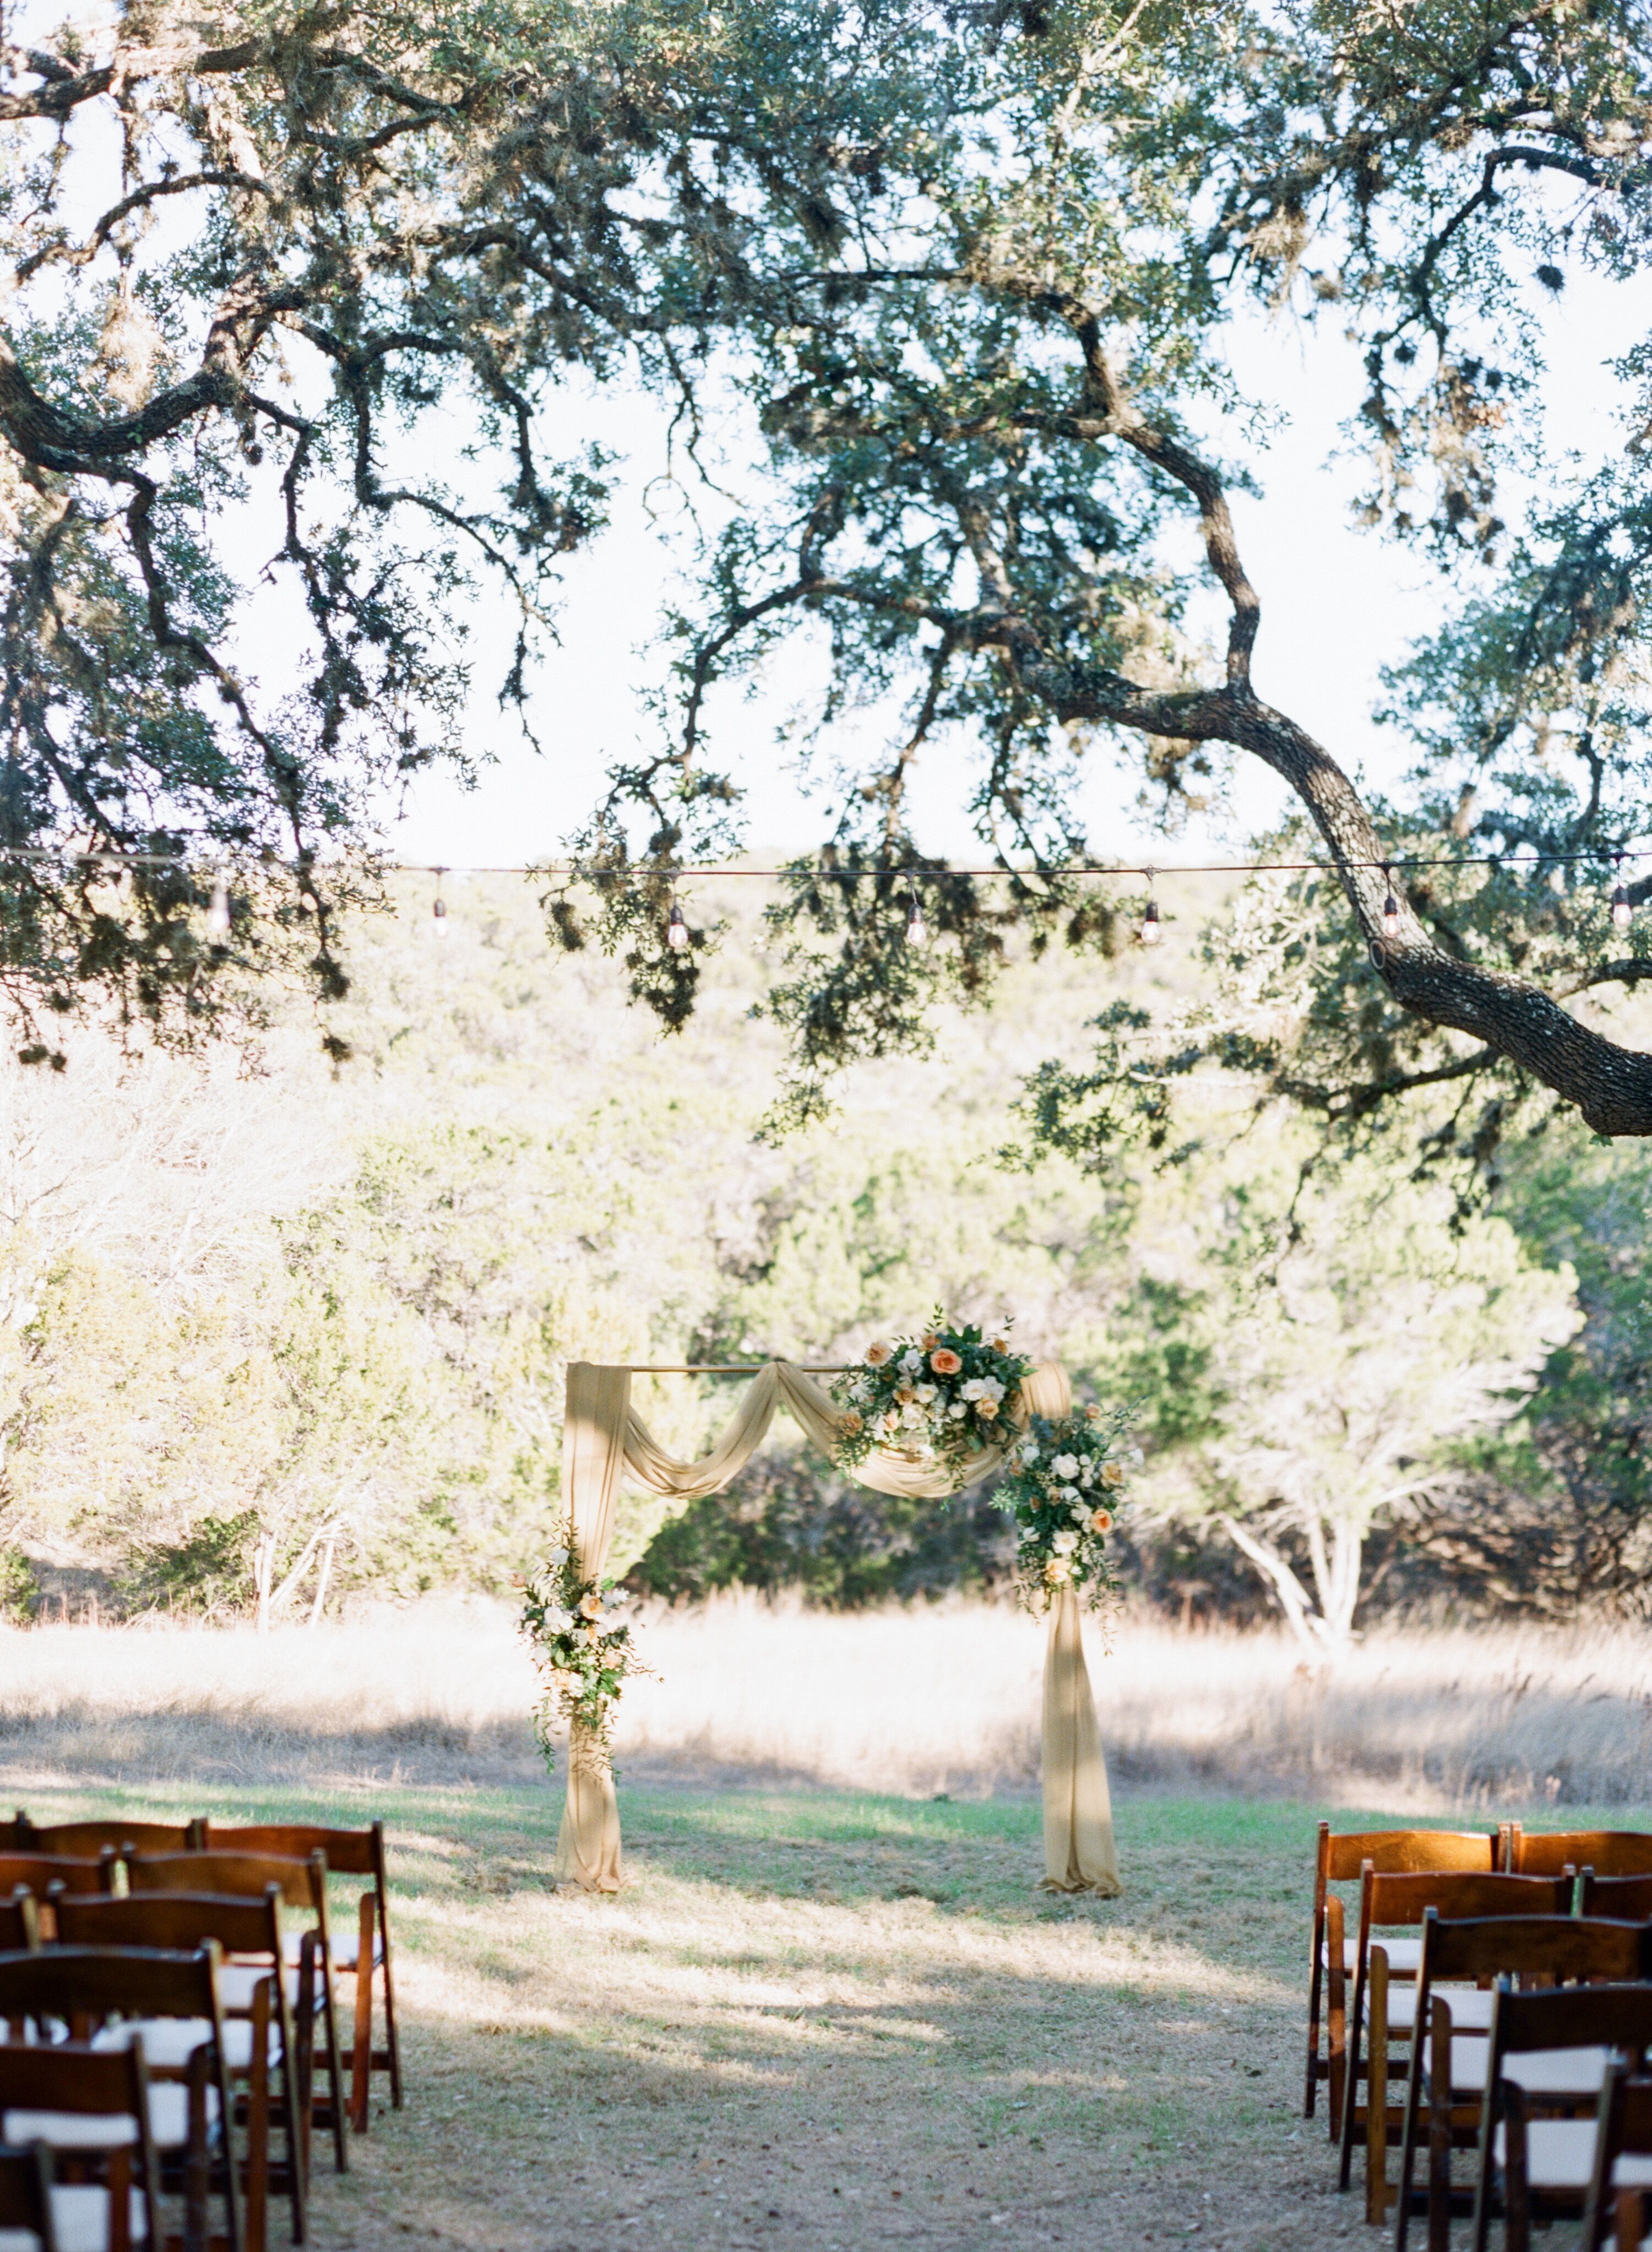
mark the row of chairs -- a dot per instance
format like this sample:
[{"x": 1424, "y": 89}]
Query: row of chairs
[
  {"x": 1513, "y": 1975},
  {"x": 162, "y": 1986}
]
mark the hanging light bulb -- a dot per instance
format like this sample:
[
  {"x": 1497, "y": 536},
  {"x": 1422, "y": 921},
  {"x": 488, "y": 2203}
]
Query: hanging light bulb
[
  {"x": 676, "y": 929},
  {"x": 217, "y": 916},
  {"x": 1152, "y": 929},
  {"x": 917, "y": 928},
  {"x": 438, "y": 910},
  {"x": 1391, "y": 908},
  {"x": 1622, "y": 913}
]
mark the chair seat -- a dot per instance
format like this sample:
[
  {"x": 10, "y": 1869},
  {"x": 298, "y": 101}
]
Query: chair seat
[
  {"x": 113, "y": 2130},
  {"x": 1404, "y": 1955},
  {"x": 1564, "y": 2074},
  {"x": 1471, "y": 2008},
  {"x": 1559, "y": 2153},
  {"x": 168, "y": 2043},
  {"x": 239, "y": 1982},
  {"x": 1632, "y": 2171},
  {"x": 345, "y": 1949},
  {"x": 80, "y": 2216},
  {"x": 18, "y": 2240}
]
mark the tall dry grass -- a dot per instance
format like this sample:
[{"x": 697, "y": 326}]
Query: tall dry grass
[{"x": 916, "y": 1702}]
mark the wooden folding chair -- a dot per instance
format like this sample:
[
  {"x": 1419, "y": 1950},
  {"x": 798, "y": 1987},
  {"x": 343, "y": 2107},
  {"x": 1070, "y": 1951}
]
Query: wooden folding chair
[
  {"x": 1608, "y": 1852},
  {"x": 43, "y": 1876},
  {"x": 1383, "y": 2011},
  {"x": 26, "y": 2222},
  {"x": 358, "y": 1955},
  {"x": 1620, "y": 2169},
  {"x": 248, "y": 1876},
  {"x": 86, "y": 1840},
  {"x": 91, "y": 2109},
  {"x": 1342, "y": 1857},
  {"x": 258, "y": 2035},
  {"x": 1473, "y": 2066},
  {"x": 1551, "y": 2056},
  {"x": 15, "y": 1834},
  {"x": 110, "y": 1995}
]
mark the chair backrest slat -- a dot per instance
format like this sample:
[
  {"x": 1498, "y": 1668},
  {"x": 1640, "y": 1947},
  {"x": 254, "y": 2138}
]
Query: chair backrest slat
[
  {"x": 174, "y": 1921},
  {"x": 300, "y": 1883},
  {"x": 86, "y": 1840},
  {"x": 1623, "y": 2129},
  {"x": 1626, "y": 1899},
  {"x": 1575, "y": 2017},
  {"x": 102, "y": 1982},
  {"x": 350, "y": 1853},
  {"x": 1396, "y": 1850},
  {"x": 38, "y": 1873},
  {"x": 1402, "y": 1899},
  {"x": 1554, "y": 1945},
  {"x": 1608, "y": 1852}
]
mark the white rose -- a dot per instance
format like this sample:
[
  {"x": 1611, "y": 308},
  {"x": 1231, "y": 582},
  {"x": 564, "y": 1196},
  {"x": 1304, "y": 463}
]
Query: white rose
[
  {"x": 1069, "y": 1493},
  {"x": 973, "y": 1389},
  {"x": 1064, "y": 1543},
  {"x": 1029, "y": 1449},
  {"x": 991, "y": 1389},
  {"x": 927, "y": 1393},
  {"x": 1086, "y": 1472},
  {"x": 912, "y": 1360},
  {"x": 1065, "y": 1466},
  {"x": 558, "y": 1556},
  {"x": 1082, "y": 1512},
  {"x": 914, "y": 1416},
  {"x": 957, "y": 1410}
]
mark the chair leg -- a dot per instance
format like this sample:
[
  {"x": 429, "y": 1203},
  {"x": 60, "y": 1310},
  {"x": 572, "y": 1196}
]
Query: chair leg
[
  {"x": 196, "y": 2175},
  {"x": 361, "y": 2061},
  {"x": 1377, "y": 2095},
  {"x": 335, "y": 2069},
  {"x": 1355, "y": 2030},
  {"x": 1408, "y": 2143},
  {"x": 1516, "y": 2203},
  {"x": 1440, "y": 2167},
  {"x": 392, "y": 2035},
  {"x": 257, "y": 2207}
]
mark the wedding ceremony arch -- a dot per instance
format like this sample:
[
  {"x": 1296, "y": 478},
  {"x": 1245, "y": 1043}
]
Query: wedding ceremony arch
[{"x": 605, "y": 1441}]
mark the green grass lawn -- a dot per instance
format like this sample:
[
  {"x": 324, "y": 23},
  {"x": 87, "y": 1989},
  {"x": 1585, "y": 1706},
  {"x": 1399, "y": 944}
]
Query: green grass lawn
[{"x": 833, "y": 2019}]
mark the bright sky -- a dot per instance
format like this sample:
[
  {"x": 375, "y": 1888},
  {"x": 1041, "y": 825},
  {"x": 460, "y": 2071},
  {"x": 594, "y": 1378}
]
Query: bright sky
[{"x": 1339, "y": 604}]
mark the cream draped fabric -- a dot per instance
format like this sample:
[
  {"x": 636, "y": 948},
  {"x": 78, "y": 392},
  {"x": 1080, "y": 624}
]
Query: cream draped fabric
[{"x": 602, "y": 1437}]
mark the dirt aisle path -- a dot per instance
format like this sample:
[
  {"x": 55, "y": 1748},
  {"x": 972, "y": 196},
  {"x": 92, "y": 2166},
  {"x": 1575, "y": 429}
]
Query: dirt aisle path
[{"x": 837, "y": 2022}]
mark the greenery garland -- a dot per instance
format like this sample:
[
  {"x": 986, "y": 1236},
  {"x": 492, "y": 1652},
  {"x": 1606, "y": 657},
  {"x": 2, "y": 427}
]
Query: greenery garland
[
  {"x": 1063, "y": 1491},
  {"x": 945, "y": 1395},
  {"x": 583, "y": 1654}
]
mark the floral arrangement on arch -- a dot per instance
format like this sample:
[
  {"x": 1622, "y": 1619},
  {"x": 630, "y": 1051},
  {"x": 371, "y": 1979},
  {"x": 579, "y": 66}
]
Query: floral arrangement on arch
[
  {"x": 1063, "y": 1490},
  {"x": 945, "y": 1395},
  {"x": 583, "y": 1653}
]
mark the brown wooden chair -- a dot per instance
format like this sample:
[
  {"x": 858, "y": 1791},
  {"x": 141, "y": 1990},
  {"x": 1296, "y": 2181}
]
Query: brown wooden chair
[
  {"x": 301, "y": 1884},
  {"x": 108, "y": 1995},
  {"x": 1620, "y": 2168},
  {"x": 1342, "y": 1857},
  {"x": 15, "y": 1834},
  {"x": 43, "y": 1876},
  {"x": 1537, "y": 2133},
  {"x": 25, "y": 2199},
  {"x": 258, "y": 2033},
  {"x": 1383, "y": 2011},
  {"x": 356, "y": 1956},
  {"x": 1608, "y": 1852},
  {"x": 91, "y": 2109},
  {"x": 1473, "y": 2067},
  {"x": 86, "y": 1840}
]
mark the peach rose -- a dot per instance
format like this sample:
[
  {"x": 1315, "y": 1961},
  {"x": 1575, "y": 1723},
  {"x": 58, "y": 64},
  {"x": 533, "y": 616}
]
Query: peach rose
[
  {"x": 946, "y": 1362},
  {"x": 591, "y": 1606},
  {"x": 877, "y": 1354},
  {"x": 850, "y": 1424},
  {"x": 1001, "y": 1345},
  {"x": 932, "y": 1339},
  {"x": 986, "y": 1409},
  {"x": 905, "y": 1393},
  {"x": 1102, "y": 1521}
]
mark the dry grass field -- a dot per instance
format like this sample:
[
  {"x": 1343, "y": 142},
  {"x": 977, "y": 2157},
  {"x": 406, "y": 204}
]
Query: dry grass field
[{"x": 830, "y": 2009}]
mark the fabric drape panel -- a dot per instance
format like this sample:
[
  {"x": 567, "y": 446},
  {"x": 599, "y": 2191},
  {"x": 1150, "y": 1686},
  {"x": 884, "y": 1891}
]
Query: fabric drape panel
[
  {"x": 602, "y": 1435},
  {"x": 593, "y": 1450},
  {"x": 1079, "y": 1855}
]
